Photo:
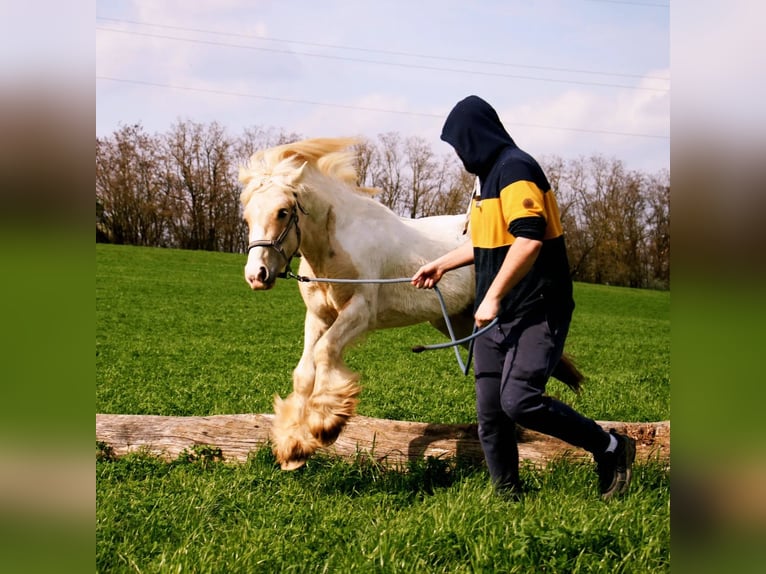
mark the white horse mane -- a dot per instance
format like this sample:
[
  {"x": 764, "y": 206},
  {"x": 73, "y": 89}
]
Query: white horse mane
[{"x": 333, "y": 157}]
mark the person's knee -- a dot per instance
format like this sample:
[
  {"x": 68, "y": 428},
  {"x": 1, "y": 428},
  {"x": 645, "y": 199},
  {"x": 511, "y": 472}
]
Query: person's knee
[
  {"x": 516, "y": 407},
  {"x": 523, "y": 406}
]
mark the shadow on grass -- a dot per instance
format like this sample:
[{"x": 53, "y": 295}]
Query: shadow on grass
[{"x": 365, "y": 475}]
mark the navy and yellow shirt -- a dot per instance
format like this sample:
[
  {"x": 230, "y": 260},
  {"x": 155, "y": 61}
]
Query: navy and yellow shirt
[{"x": 515, "y": 201}]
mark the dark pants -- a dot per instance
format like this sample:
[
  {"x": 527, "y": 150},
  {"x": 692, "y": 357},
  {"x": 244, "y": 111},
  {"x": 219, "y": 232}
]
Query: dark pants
[{"x": 512, "y": 364}]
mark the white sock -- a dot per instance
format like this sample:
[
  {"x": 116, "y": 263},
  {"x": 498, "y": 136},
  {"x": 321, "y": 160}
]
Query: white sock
[{"x": 612, "y": 443}]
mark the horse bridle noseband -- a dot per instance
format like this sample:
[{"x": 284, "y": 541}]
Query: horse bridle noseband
[{"x": 276, "y": 244}]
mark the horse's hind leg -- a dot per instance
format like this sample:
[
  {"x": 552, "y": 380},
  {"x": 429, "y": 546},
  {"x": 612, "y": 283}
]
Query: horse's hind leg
[{"x": 462, "y": 323}]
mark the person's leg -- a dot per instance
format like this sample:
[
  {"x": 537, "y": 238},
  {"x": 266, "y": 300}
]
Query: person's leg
[
  {"x": 535, "y": 346},
  {"x": 497, "y": 433}
]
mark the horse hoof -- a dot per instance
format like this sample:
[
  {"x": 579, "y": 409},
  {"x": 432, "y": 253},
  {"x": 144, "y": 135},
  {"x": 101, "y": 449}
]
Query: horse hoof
[{"x": 292, "y": 464}]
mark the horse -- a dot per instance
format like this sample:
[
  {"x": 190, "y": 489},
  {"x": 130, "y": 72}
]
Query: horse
[{"x": 302, "y": 198}]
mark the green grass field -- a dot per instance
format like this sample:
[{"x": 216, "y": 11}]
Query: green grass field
[{"x": 180, "y": 333}]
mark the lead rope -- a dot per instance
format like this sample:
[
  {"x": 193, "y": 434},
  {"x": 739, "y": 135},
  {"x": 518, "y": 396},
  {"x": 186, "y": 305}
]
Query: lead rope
[{"x": 464, "y": 366}]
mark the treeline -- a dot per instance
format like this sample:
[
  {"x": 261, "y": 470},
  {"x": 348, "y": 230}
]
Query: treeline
[{"x": 180, "y": 189}]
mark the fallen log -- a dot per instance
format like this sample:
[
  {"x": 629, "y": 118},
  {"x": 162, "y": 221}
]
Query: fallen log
[{"x": 389, "y": 442}]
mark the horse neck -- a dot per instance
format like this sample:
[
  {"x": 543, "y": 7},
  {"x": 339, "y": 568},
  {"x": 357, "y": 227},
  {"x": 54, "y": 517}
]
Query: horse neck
[{"x": 318, "y": 228}]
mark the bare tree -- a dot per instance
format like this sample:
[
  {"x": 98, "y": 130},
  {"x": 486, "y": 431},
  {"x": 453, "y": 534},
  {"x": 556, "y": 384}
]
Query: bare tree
[
  {"x": 423, "y": 179},
  {"x": 181, "y": 190},
  {"x": 658, "y": 233},
  {"x": 365, "y": 159},
  {"x": 255, "y": 138},
  {"x": 203, "y": 182},
  {"x": 454, "y": 196},
  {"x": 129, "y": 199},
  {"x": 606, "y": 212},
  {"x": 387, "y": 171},
  {"x": 555, "y": 169}
]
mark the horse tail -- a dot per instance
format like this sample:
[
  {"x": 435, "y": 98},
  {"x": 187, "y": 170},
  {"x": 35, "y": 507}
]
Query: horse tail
[{"x": 568, "y": 373}]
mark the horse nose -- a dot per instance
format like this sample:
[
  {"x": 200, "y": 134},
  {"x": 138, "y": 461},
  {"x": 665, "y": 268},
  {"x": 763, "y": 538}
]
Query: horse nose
[{"x": 261, "y": 277}]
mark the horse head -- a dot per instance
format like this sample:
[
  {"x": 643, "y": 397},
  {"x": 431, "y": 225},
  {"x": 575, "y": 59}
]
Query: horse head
[
  {"x": 272, "y": 211},
  {"x": 274, "y": 200}
]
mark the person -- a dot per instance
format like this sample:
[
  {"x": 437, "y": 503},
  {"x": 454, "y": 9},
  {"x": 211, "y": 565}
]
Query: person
[{"x": 522, "y": 278}]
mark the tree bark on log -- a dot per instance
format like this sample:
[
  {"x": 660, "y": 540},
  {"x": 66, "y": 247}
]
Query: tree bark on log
[{"x": 392, "y": 443}]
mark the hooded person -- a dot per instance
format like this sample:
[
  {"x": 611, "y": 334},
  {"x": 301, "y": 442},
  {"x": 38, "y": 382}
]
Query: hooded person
[{"x": 522, "y": 279}]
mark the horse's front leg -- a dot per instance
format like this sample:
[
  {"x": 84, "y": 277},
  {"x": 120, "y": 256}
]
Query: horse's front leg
[
  {"x": 336, "y": 386},
  {"x": 292, "y": 441}
]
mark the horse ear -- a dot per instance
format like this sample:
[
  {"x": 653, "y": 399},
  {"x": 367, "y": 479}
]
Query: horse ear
[
  {"x": 296, "y": 176},
  {"x": 245, "y": 175}
]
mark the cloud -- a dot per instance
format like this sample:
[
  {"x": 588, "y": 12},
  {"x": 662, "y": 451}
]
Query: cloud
[
  {"x": 585, "y": 122},
  {"x": 361, "y": 94}
]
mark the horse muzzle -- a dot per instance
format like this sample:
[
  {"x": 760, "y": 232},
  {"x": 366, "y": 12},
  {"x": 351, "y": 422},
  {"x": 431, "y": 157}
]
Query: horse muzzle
[
  {"x": 263, "y": 268},
  {"x": 260, "y": 278}
]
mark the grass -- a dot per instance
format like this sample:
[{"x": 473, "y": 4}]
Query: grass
[
  {"x": 179, "y": 333},
  {"x": 338, "y": 517}
]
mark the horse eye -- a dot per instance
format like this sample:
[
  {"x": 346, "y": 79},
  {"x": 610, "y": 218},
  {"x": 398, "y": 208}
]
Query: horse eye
[{"x": 282, "y": 213}]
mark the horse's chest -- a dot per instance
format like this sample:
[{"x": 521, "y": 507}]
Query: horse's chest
[{"x": 327, "y": 301}]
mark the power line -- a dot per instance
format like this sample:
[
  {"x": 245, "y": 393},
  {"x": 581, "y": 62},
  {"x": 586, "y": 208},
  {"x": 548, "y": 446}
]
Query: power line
[
  {"x": 378, "y": 51},
  {"x": 360, "y": 108},
  {"x": 630, "y": 2},
  {"x": 366, "y": 61}
]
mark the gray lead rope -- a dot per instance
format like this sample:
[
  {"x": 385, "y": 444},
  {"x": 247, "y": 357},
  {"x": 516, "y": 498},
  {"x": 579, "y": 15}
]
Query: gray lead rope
[{"x": 420, "y": 348}]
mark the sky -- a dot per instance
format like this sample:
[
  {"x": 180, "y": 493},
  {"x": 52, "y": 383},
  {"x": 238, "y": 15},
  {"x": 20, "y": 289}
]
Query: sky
[{"x": 571, "y": 78}]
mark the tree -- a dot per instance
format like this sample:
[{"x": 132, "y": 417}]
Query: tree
[
  {"x": 202, "y": 183},
  {"x": 129, "y": 199},
  {"x": 365, "y": 159},
  {"x": 386, "y": 172},
  {"x": 181, "y": 189},
  {"x": 611, "y": 217},
  {"x": 658, "y": 234},
  {"x": 454, "y": 195},
  {"x": 255, "y": 138},
  {"x": 425, "y": 180}
]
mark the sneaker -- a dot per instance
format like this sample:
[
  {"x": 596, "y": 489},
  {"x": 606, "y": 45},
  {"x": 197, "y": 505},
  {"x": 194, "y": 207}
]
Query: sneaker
[{"x": 615, "y": 468}]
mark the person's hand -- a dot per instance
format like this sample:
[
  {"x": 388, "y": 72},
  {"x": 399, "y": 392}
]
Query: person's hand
[
  {"x": 487, "y": 311},
  {"x": 427, "y": 276}
]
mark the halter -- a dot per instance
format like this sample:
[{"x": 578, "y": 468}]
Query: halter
[{"x": 276, "y": 244}]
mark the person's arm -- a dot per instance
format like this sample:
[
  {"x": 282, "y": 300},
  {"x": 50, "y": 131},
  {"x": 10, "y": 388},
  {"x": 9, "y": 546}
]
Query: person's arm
[
  {"x": 430, "y": 273},
  {"x": 517, "y": 263}
]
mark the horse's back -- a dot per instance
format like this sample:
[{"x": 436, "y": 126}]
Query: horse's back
[
  {"x": 402, "y": 304},
  {"x": 447, "y": 229}
]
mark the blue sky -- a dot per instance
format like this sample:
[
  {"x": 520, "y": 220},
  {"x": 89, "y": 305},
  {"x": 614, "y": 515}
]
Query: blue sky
[{"x": 568, "y": 77}]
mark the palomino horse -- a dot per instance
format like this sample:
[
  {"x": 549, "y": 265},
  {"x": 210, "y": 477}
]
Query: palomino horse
[{"x": 303, "y": 197}]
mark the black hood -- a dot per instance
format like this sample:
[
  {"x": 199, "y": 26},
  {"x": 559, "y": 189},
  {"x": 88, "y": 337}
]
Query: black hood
[{"x": 474, "y": 129}]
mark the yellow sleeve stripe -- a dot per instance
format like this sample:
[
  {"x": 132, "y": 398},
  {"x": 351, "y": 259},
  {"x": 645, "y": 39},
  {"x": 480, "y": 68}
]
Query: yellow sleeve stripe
[
  {"x": 490, "y": 218},
  {"x": 525, "y": 199},
  {"x": 522, "y": 199}
]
